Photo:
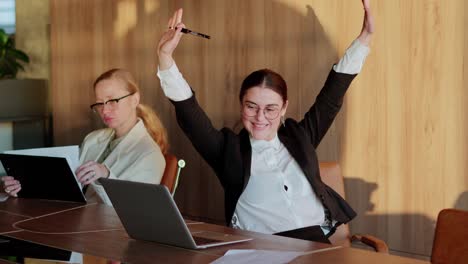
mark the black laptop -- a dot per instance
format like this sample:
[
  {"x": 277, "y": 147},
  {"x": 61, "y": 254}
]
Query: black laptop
[{"x": 43, "y": 177}]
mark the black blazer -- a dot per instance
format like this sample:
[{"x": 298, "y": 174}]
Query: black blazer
[{"x": 230, "y": 154}]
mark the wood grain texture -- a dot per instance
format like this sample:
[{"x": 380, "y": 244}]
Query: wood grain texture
[
  {"x": 403, "y": 144},
  {"x": 400, "y": 138},
  {"x": 347, "y": 255},
  {"x": 118, "y": 245}
]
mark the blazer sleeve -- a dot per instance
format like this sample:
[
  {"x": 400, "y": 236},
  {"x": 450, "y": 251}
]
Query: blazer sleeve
[
  {"x": 206, "y": 139},
  {"x": 320, "y": 116},
  {"x": 146, "y": 169}
]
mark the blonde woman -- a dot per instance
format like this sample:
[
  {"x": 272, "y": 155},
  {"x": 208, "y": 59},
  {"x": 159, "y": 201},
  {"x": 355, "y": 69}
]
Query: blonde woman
[{"x": 132, "y": 147}]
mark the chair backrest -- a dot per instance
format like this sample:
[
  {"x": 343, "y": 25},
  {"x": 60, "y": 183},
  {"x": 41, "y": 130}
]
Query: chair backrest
[
  {"x": 450, "y": 240},
  {"x": 171, "y": 173},
  {"x": 330, "y": 173}
]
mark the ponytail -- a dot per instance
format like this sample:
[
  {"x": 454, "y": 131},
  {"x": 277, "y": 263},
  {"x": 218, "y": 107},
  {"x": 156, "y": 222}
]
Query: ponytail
[{"x": 153, "y": 126}]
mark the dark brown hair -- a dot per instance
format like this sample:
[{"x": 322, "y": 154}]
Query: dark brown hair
[{"x": 267, "y": 79}]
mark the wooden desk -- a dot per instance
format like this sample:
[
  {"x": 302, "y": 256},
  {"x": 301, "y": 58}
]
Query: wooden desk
[
  {"x": 95, "y": 229},
  {"x": 347, "y": 255}
]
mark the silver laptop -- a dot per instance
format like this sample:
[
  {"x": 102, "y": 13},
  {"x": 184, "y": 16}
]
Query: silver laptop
[{"x": 148, "y": 212}]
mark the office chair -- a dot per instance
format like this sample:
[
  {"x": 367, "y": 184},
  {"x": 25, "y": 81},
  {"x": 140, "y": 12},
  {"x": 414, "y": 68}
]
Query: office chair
[
  {"x": 450, "y": 240},
  {"x": 171, "y": 174},
  {"x": 330, "y": 173}
]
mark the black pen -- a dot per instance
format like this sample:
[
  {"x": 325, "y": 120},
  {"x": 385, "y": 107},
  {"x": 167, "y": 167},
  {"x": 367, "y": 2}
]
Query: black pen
[{"x": 191, "y": 32}]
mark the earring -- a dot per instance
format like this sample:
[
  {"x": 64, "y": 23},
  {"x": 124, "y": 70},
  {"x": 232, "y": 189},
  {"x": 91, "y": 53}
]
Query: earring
[{"x": 282, "y": 121}]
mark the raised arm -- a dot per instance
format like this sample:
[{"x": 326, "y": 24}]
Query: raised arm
[
  {"x": 328, "y": 103},
  {"x": 191, "y": 118}
]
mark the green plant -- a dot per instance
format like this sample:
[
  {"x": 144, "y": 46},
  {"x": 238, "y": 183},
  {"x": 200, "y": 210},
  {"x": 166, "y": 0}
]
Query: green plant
[{"x": 10, "y": 57}]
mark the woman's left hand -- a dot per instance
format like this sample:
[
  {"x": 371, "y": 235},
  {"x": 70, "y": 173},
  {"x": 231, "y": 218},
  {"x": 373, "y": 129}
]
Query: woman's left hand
[
  {"x": 368, "y": 25},
  {"x": 90, "y": 171}
]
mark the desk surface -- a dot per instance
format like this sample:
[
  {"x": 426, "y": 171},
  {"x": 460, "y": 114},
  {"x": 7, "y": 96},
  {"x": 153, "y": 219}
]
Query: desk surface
[{"x": 95, "y": 229}]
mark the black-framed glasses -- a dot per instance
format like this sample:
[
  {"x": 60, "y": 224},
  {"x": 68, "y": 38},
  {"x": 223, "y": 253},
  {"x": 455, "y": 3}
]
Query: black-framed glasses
[
  {"x": 270, "y": 111},
  {"x": 111, "y": 103}
]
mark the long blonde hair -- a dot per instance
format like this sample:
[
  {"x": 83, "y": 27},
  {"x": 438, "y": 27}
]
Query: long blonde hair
[{"x": 151, "y": 120}]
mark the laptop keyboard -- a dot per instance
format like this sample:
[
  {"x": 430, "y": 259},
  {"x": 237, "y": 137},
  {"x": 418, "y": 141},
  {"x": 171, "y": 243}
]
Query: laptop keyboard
[{"x": 204, "y": 240}]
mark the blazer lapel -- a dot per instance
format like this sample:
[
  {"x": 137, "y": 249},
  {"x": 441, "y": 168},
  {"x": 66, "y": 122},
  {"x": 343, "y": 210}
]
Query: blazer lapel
[
  {"x": 295, "y": 151},
  {"x": 113, "y": 156},
  {"x": 101, "y": 145},
  {"x": 127, "y": 143},
  {"x": 246, "y": 153}
]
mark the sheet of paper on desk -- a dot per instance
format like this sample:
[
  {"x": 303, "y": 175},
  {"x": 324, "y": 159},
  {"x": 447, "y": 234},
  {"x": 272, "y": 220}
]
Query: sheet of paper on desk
[
  {"x": 71, "y": 153},
  {"x": 253, "y": 256}
]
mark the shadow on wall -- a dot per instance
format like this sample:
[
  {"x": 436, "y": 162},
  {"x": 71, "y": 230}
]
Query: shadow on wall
[
  {"x": 396, "y": 229},
  {"x": 462, "y": 202}
]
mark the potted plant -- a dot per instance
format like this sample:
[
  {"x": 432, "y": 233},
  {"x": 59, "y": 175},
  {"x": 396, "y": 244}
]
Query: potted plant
[
  {"x": 10, "y": 57},
  {"x": 23, "y": 102}
]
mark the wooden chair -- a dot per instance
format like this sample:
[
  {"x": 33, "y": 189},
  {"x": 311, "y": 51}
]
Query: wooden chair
[
  {"x": 330, "y": 173},
  {"x": 171, "y": 174},
  {"x": 450, "y": 240}
]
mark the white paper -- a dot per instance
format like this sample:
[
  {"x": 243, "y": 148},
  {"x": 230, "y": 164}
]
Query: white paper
[
  {"x": 252, "y": 256},
  {"x": 70, "y": 153}
]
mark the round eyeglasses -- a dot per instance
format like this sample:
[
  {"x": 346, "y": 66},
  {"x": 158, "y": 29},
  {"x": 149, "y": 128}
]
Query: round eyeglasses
[
  {"x": 270, "y": 111},
  {"x": 97, "y": 107}
]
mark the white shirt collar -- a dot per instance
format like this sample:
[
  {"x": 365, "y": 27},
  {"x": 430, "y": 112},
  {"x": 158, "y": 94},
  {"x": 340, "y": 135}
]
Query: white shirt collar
[{"x": 261, "y": 145}]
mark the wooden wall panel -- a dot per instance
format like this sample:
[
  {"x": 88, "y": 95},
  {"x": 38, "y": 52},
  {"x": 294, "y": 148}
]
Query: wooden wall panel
[
  {"x": 404, "y": 134},
  {"x": 400, "y": 137}
]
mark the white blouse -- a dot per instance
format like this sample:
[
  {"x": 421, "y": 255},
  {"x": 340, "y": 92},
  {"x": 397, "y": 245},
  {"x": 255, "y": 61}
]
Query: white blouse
[{"x": 278, "y": 196}]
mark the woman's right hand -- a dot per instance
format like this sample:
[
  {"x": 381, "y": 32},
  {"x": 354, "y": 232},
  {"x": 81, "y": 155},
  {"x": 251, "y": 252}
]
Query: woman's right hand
[
  {"x": 368, "y": 25},
  {"x": 169, "y": 40},
  {"x": 10, "y": 185}
]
